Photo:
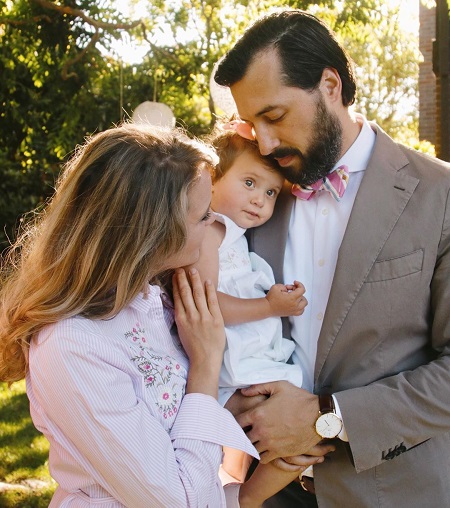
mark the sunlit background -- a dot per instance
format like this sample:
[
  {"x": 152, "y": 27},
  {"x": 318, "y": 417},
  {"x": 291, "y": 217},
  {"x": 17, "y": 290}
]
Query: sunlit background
[{"x": 131, "y": 52}]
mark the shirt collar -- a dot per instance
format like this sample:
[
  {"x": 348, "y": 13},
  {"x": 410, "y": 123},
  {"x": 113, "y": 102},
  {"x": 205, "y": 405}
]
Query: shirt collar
[
  {"x": 149, "y": 298},
  {"x": 357, "y": 156}
]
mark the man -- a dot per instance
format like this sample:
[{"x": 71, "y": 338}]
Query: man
[{"x": 375, "y": 261}]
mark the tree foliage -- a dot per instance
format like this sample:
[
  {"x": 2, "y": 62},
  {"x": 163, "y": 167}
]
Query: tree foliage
[
  {"x": 50, "y": 93},
  {"x": 61, "y": 81},
  {"x": 387, "y": 68}
]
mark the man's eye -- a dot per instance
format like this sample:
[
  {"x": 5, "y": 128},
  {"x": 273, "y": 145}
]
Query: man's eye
[{"x": 275, "y": 120}]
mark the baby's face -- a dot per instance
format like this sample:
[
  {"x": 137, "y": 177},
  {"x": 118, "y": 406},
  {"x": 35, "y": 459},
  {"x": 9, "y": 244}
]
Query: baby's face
[{"x": 247, "y": 192}]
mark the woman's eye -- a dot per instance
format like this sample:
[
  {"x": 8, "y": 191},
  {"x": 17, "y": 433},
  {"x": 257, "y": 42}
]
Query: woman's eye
[{"x": 207, "y": 216}]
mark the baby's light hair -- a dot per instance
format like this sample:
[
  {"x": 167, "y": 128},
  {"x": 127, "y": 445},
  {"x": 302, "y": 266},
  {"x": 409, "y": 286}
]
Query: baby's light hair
[{"x": 228, "y": 145}]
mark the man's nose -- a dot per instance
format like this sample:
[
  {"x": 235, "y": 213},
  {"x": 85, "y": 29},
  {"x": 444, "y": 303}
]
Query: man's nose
[{"x": 267, "y": 142}]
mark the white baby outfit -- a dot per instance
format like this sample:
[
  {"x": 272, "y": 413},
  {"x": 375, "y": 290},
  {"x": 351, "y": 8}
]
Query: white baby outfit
[{"x": 256, "y": 352}]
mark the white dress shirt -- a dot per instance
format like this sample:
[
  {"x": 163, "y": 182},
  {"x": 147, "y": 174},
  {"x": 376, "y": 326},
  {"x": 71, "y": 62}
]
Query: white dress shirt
[{"x": 316, "y": 230}]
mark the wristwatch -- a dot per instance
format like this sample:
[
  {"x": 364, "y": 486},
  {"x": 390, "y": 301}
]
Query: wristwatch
[{"x": 328, "y": 424}]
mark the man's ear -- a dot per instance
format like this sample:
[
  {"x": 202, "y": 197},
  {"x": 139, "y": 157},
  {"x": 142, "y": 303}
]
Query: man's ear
[{"x": 331, "y": 84}]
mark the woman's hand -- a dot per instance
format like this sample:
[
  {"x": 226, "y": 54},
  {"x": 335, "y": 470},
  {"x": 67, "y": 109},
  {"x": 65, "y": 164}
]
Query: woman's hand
[
  {"x": 201, "y": 330},
  {"x": 300, "y": 463}
]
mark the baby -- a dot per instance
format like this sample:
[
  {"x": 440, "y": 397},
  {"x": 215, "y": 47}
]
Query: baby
[{"x": 245, "y": 189}]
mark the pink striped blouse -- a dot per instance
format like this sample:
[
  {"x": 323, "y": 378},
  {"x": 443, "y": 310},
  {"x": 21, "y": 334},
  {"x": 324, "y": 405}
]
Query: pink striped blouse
[{"x": 109, "y": 395}]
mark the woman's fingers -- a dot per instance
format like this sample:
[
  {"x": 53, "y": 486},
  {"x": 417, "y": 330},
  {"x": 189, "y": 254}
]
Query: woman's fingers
[
  {"x": 190, "y": 295},
  {"x": 187, "y": 297},
  {"x": 212, "y": 301},
  {"x": 177, "y": 300},
  {"x": 287, "y": 466},
  {"x": 196, "y": 300},
  {"x": 198, "y": 293}
]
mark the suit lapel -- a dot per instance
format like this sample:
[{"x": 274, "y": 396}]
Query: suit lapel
[
  {"x": 269, "y": 240},
  {"x": 381, "y": 199}
]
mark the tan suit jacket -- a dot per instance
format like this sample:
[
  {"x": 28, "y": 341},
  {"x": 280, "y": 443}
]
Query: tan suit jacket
[{"x": 384, "y": 347}]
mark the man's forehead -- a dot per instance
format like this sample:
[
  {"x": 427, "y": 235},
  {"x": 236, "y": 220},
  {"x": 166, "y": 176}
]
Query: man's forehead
[{"x": 253, "y": 103}]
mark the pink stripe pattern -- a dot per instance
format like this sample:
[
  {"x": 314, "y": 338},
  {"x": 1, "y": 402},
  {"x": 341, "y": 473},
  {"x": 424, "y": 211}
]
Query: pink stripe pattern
[{"x": 109, "y": 395}]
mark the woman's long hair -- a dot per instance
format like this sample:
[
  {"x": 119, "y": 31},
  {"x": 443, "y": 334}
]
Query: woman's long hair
[{"x": 118, "y": 213}]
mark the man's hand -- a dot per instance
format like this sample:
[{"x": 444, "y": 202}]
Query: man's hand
[
  {"x": 238, "y": 403},
  {"x": 282, "y": 425}
]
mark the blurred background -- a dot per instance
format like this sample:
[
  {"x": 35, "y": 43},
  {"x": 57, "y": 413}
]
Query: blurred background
[{"x": 70, "y": 68}]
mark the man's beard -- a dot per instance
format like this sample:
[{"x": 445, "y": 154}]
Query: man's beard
[{"x": 323, "y": 153}]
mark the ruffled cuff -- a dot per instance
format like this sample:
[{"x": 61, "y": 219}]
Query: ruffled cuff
[{"x": 201, "y": 417}]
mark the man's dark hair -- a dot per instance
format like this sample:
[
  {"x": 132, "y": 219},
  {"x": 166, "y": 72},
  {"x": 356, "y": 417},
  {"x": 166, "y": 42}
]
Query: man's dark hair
[{"x": 305, "y": 45}]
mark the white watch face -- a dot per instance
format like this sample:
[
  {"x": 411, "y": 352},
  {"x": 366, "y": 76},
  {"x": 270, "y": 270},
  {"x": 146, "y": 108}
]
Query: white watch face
[{"x": 328, "y": 425}]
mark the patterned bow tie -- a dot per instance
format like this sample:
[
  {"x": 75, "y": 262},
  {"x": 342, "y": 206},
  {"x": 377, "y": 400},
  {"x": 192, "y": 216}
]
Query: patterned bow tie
[{"x": 335, "y": 183}]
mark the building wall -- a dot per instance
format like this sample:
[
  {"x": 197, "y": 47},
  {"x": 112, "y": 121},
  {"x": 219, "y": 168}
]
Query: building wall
[{"x": 428, "y": 117}]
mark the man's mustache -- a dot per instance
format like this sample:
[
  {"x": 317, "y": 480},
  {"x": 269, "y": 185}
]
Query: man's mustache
[{"x": 279, "y": 153}]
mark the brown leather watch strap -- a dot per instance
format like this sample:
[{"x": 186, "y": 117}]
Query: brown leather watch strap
[{"x": 326, "y": 404}]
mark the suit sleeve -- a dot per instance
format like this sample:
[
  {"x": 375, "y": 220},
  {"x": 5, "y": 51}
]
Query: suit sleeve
[{"x": 392, "y": 415}]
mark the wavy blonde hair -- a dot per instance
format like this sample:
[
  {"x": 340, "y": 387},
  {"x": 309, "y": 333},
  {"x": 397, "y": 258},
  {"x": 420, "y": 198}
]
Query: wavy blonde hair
[{"x": 117, "y": 214}]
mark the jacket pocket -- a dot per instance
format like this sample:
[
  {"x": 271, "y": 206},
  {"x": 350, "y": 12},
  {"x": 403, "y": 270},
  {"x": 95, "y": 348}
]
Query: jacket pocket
[{"x": 397, "y": 267}]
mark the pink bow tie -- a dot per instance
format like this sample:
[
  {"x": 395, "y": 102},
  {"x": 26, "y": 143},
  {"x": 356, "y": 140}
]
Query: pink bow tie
[{"x": 335, "y": 183}]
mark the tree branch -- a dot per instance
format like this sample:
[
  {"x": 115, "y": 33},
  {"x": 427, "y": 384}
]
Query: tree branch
[
  {"x": 79, "y": 56},
  {"x": 97, "y": 25},
  {"x": 20, "y": 22},
  {"x": 78, "y": 13}
]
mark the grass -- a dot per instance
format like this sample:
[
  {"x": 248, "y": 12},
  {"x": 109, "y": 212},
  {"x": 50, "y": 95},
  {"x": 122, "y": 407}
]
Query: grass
[{"x": 23, "y": 454}]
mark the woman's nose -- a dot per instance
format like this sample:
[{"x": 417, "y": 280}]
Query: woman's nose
[{"x": 211, "y": 218}]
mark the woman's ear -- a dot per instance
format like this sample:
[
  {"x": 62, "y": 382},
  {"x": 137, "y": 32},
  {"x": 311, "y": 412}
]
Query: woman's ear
[{"x": 331, "y": 84}]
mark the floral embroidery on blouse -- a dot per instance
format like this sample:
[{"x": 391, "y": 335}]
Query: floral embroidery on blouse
[
  {"x": 161, "y": 372},
  {"x": 137, "y": 334}
]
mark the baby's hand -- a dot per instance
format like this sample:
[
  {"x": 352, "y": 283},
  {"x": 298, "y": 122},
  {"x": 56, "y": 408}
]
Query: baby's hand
[{"x": 287, "y": 300}]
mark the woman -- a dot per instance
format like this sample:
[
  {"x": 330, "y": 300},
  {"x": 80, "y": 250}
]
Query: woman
[{"x": 87, "y": 317}]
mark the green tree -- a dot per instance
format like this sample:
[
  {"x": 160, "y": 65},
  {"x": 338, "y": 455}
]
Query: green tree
[
  {"x": 386, "y": 56},
  {"x": 387, "y": 68},
  {"x": 51, "y": 71},
  {"x": 203, "y": 31},
  {"x": 58, "y": 86}
]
